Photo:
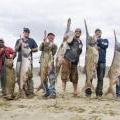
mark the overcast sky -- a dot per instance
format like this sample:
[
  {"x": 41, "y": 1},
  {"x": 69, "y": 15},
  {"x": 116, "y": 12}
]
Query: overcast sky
[{"x": 52, "y": 15}]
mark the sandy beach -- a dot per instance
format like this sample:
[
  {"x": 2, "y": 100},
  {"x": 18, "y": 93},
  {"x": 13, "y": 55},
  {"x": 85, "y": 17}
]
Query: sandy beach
[{"x": 62, "y": 108}]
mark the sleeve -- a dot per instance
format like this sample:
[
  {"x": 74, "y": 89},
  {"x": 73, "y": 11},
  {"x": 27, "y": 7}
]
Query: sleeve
[
  {"x": 34, "y": 45},
  {"x": 103, "y": 44},
  {"x": 17, "y": 46},
  {"x": 9, "y": 52}
]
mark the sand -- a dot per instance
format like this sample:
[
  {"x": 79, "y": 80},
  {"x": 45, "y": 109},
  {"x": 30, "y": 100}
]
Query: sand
[{"x": 62, "y": 108}]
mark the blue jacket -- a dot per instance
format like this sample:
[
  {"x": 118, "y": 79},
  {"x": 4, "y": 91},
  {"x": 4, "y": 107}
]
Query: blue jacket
[
  {"x": 32, "y": 44},
  {"x": 103, "y": 45}
]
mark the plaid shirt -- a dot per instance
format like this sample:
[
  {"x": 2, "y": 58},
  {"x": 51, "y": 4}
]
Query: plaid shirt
[{"x": 5, "y": 52}]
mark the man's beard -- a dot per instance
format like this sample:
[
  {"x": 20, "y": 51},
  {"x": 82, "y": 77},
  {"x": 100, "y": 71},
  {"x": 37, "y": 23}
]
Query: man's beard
[
  {"x": 26, "y": 37},
  {"x": 77, "y": 36}
]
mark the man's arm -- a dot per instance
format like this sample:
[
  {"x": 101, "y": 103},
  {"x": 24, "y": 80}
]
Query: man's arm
[
  {"x": 17, "y": 45},
  {"x": 9, "y": 52},
  {"x": 34, "y": 50},
  {"x": 103, "y": 44},
  {"x": 34, "y": 47}
]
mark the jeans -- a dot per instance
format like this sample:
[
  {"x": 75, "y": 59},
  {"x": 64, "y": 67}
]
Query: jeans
[
  {"x": 100, "y": 76},
  {"x": 3, "y": 81},
  {"x": 50, "y": 89},
  {"x": 118, "y": 88}
]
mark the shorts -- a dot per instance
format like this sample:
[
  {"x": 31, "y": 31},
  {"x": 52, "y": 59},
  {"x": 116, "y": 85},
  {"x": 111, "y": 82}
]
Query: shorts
[{"x": 69, "y": 72}]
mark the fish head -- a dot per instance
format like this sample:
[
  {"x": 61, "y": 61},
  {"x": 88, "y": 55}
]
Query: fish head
[
  {"x": 9, "y": 63},
  {"x": 70, "y": 35},
  {"x": 92, "y": 41}
]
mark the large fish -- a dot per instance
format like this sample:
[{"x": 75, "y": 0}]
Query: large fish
[
  {"x": 10, "y": 79},
  {"x": 25, "y": 69},
  {"x": 91, "y": 59},
  {"x": 68, "y": 37},
  {"x": 114, "y": 71},
  {"x": 46, "y": 60}
]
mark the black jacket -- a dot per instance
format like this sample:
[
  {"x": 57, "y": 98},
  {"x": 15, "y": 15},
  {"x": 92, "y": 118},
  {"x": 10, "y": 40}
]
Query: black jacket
[
  {"x": 103, "y": 45},
  {"x": 74, "y": 52}
]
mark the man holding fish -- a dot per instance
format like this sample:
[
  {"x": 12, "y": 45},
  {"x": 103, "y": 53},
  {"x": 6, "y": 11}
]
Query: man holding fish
[
  {"x": 101, "y": 67},
  {"x": 25, "y": 42},
  {"x": 71, "y": 59},
  {"x": 47, "y": 69},
  {"x": 7, "y": 79}
]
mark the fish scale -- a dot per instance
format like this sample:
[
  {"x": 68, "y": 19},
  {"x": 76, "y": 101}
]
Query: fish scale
[
  {"x": 25, "y": 69},
  {"x": 114, "y": 71}
]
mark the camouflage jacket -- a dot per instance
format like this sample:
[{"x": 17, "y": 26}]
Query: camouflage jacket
[{"x": 49, "y": 49}]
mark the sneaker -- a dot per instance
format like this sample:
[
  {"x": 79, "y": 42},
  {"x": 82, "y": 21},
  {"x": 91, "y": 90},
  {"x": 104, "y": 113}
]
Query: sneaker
[
  {"x": 52, "y": 96},
  {"x": 45, "y": 95},
  {"x": 99, "y": 94}
]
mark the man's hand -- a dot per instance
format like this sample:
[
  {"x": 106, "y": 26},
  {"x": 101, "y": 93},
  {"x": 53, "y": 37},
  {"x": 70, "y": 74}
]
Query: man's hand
[
  {"x": 34, "y": 50},
  {"x": 98, "y": 48},
  {"x": 11, "y": 56},
  {"x": 21, "y": 40},
  {"x": 95, "y": 38},
  {"x": 51, "y": 45}
]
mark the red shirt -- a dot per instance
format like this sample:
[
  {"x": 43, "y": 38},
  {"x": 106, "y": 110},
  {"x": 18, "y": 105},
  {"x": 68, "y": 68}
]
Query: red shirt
[{"x": 5, "y": 52}]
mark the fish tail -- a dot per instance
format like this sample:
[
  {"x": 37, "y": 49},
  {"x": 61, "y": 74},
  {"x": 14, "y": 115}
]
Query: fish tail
[{"x": 110, "y": 91}]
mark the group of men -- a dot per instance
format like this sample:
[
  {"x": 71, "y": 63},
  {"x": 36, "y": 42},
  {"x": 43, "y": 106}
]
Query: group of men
[
  {"x": 7, "y": 54},
  {"x": 48, "y": 75}
]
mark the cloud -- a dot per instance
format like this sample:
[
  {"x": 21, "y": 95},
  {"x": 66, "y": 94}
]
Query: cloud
[{"x": 52, "y": 15}]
